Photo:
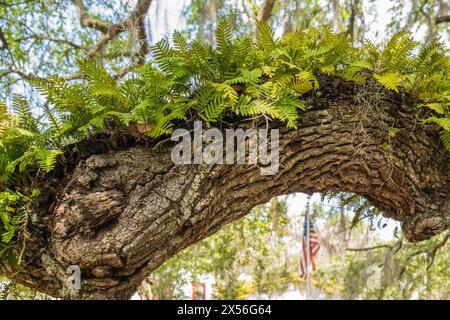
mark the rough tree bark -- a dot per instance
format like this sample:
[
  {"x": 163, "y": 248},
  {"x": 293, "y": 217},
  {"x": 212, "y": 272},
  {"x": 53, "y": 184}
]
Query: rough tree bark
[{"x": 121, "y": 210}]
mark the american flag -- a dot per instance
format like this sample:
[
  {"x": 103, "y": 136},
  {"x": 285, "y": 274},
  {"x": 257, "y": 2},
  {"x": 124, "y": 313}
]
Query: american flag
[{"x": 313, "y": 245}]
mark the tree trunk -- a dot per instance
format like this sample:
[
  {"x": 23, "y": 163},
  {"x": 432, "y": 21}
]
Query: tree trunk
[{"x": 121, "y": 211}]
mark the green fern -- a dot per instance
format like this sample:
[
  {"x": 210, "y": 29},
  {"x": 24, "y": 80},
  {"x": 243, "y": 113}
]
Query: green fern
[
  {"x": 227, "y": 92},
  {"x": 442, "y": 122},
  {"x": 265, "y": 37},
  {"x": 47, "y": 158},
  {"x": 390, "y": 81},
  {"x": 23, "y": 112},
  {"x": 439, "y": 108},
  {"x": 265, "y": 77},
  {"x": 396, "y": 54},
  {"x": 162, "y": 54},
  {"x": 180, "y": 43}
]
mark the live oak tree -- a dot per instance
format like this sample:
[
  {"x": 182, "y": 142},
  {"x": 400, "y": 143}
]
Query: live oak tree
[{"x": 89, "y": 181}]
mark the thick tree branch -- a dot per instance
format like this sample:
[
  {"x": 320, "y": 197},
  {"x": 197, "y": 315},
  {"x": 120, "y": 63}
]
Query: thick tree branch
[
  {"x": 139, "y": 11},
  {"x": 136, "y": 22},
  {"x": 143, "y": 40}
]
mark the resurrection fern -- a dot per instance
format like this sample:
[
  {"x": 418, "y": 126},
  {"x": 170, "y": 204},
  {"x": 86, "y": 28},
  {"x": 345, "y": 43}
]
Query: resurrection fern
[{"x": 263, "y": 79}]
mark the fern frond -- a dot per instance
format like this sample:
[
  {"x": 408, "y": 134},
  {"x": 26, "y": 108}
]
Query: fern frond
[
  {"x": 395, "y": 55},
  {"x": 260, "y": 107},
  {"x": 425, "y": 57},
  {"x": 95, "y": 72},
  {"x": 264, "y": 37},
  {"x": 243, "y": 49},
  {"x": 47, "y": 158},
  {"x": 246, "y": 76},
  {"x": 442, "y": 122},
  {"x": 101, "y": 83},
  {"x": 227, "y": 92},
  {"x": 213, "y": 110},
  {"x": 125, "y": 118},
  {"x": 163, "y": 55},
  {"x": 288, "y": 106},
  {"x": 162, "y": 126},
  {"x": 22, "y": 110},
  {"x": 437, "y": 107},
  {"x": 445, "y": 137}
]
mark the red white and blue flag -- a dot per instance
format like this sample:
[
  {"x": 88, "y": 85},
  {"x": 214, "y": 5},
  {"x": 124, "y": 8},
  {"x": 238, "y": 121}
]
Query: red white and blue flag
[{"x": 313, "y": 248}]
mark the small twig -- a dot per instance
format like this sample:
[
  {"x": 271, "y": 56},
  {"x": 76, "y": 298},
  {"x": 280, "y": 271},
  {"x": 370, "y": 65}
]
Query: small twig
[{"x": 369, "y": 248}]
